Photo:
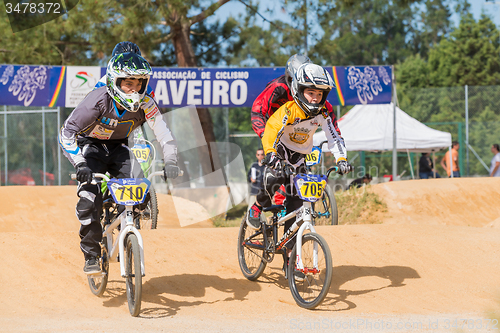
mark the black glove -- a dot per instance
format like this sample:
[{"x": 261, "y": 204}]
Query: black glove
[
  {"x": 83, "y": 173},
  {"x": 171, "y": 171},
  {"x": 344, "y": 167},
  {"x": 272, "y": 161}
]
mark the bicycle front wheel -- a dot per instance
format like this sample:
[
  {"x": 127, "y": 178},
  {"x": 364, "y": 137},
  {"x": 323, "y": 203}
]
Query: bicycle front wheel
[
  {"x": 98, "y": 282},
  {"x": 326, "y": 208},
  {"x": 309, "y": 286},
  {"x": 250, "y": 251},
  {"x": 133, "y": 274}
]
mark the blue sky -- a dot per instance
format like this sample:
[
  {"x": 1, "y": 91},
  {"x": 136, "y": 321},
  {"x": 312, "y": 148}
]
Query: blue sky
[{"x": 234, "y": 7}]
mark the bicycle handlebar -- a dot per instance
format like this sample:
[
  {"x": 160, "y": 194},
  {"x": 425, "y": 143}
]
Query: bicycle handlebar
[
  {"x": 106, "y": 178},
  {"x": 290, "y": 170}
]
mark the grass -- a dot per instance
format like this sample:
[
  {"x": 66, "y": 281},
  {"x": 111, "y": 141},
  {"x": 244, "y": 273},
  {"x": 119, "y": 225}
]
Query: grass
[
  {"x": 232, "y": 218},
  {"x": 360, "y": 206},
  {"x": 355, "y": 206}
]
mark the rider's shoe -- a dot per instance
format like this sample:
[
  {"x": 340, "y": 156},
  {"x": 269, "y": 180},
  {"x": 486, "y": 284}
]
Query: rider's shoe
[
  {"x": 92, "y": 266},
  {"x": 253, "y": 217}
]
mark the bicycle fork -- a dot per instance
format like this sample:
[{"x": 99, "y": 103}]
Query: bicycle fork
[
  {"x": 126, "y": 219},
  {"x": 307, "y": 217}
]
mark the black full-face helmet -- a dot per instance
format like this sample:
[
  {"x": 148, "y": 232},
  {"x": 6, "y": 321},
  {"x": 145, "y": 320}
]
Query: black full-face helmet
[
  {"x": 315, "y": 77},
  {"x": 292, "y": 64},
  {"x": 125, "y": 47}
]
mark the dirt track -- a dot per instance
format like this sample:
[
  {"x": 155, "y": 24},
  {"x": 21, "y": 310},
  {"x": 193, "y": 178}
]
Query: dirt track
[{"x": 433, "y": 260}]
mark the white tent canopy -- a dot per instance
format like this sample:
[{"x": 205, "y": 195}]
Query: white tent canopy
[{"x": 370, "y": 128}]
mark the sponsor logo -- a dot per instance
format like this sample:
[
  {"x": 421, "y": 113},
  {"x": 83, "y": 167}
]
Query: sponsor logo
[
  {"x": 152, "y": 113},
  {"x": 83, "y": 80},
  {"x": 101, "y": 133},
  {"x": 285, "y": 120},
  {"x": 300, "y": 135},
  {"x": 299, "y": 213},
  {"x": 109, "y": 121}
]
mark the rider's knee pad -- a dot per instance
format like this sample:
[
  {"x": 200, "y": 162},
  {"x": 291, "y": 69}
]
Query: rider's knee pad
[{"x": 85, "y": 208}]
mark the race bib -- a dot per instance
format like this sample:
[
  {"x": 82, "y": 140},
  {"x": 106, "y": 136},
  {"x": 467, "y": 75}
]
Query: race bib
[
  {"x": 141, "y": 152},
  {"x": 310, "y": 187},
  {"x": 314, "y": 157},
  {"x": 129, "y": 191}
]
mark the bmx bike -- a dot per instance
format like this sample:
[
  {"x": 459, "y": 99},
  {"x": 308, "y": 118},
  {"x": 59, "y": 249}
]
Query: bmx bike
[
  {"x": 121, "y": 240},
  {"x": 309, "y": 269},
  {"x": 145, "y": 154},
  {"x": 326, "y": 207}
]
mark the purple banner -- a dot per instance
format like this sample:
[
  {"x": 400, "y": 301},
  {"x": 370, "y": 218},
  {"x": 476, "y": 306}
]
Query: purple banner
[{"x": 177, "y": 87}]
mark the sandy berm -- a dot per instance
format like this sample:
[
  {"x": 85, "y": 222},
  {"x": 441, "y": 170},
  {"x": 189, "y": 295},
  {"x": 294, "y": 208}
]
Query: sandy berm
[{"x": 432, "y": 263}]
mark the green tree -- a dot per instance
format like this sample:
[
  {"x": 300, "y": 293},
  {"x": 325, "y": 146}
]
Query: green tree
[
  {"x": 469, "y": 56},
  {"x": 375, "y": 32},
  {"x": 166, "y": 31}
]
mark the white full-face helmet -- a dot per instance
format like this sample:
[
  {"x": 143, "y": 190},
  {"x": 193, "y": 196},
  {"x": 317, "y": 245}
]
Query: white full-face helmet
[
  {"x": 315, "y": 77},
  {"x": 127, "y": 66},
  {"x": 292, "y": 64}
]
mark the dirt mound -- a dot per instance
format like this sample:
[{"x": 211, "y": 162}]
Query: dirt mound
[
  {"x": 459, "y": 201},
  {"x": 418, "y": 272},
  {"x": 30, "y": 207}
]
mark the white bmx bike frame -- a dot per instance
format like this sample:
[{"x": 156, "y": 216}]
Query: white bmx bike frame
[
  {"x": 116, "y": 245},
  {"x": 302, "y": 214}
]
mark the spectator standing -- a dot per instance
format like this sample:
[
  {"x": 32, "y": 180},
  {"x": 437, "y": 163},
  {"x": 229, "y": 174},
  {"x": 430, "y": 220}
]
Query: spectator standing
[
  {"x": 454, "y": 160},
  {"x": 255, "y": 175},
  {"x": 495, "y": 162},
  {"x": 426, "y": 167}
]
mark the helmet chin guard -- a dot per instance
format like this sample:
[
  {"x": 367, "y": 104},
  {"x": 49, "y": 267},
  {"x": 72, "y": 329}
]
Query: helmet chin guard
[{"x": 127, "y": 66}]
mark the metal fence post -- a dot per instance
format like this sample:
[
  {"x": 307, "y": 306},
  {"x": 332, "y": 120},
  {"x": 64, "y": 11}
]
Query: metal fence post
[
  {"x": 467, "y": 126},
  {"x": 460, "y": 140},
  {"x": 394, "y": 139},
  {"x": 6, "y": 155},
  {"x": 58, "y": 150},
  {"x": 44, "y": 168}
]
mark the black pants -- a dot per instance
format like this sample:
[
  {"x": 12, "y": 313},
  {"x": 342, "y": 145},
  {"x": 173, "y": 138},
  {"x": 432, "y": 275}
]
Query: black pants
[
  {"x": 273, "y": 180},
  {"x": 118, "y": 160}
]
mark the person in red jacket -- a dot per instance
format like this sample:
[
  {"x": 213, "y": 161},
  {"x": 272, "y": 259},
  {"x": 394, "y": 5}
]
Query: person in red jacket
[{"x": 277, "y": 93}]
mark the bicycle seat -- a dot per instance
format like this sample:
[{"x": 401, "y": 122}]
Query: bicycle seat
[{"x": 274, "y": 208}]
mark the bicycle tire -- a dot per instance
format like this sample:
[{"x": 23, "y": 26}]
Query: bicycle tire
[
  {"x": 312, "y": 290},
  {"x": 250, "y": 258},
  {"x": 133, "y": 274},
  {"x": 150, "y": 222},
  {"x": 327, "y": 207},
  {"x": 98, "y": 282}
]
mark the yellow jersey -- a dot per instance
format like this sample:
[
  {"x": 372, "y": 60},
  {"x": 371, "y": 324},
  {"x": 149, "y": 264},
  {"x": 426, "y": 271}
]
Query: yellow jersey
[{"x": 290, "y": 126}]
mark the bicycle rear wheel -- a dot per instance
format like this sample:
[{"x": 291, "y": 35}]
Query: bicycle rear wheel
[
  {"x": 326, "y": 208},
  {"x": 311, "y": 289},
  {"x": 149, "y": 217},
  {"x": 250, "y": 251},
  {"x": 98, "y": 282},
  {"x": 133, "y": 278}
]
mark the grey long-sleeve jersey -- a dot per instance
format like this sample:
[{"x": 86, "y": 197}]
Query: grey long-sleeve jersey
[{"x": 97, "y": 118}]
